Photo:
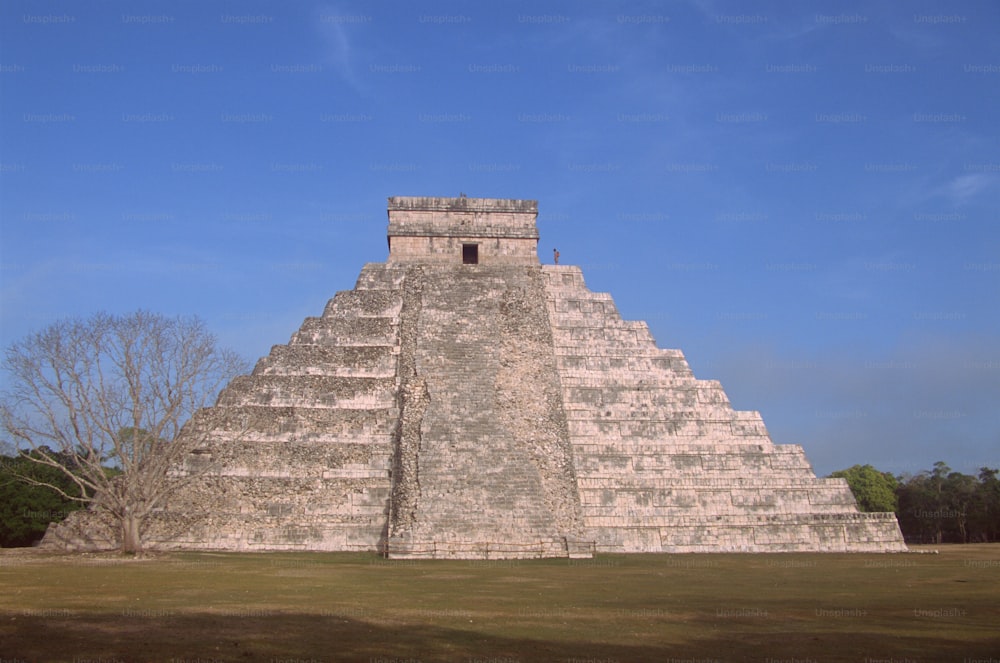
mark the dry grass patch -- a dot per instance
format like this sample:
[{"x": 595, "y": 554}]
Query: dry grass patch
[{"x": 347, "y": 607}]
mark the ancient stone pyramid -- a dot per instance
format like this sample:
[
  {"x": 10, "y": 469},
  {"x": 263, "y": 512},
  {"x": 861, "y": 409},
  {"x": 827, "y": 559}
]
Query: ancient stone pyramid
[{"x": 465, "y": 401}]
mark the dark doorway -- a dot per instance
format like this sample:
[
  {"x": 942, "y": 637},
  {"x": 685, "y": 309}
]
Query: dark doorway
[{"x": 470, "y": 254}]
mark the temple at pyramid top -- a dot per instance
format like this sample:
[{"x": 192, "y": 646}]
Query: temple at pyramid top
[{"x": 489, "y": 231}]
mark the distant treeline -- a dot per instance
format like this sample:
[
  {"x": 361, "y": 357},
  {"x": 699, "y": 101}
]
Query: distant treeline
[
  {"x": 26, "y": 508},
  {"x": 934, "y": 506}
]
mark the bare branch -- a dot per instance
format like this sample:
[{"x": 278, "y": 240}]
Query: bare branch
[{"x": 113, "y": 391}]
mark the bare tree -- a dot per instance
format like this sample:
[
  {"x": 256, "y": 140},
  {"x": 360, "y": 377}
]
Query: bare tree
[{"x": 110, "y": 394}]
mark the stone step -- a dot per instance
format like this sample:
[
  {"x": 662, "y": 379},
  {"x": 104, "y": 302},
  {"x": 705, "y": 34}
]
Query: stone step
[
  {"x": 597, "y": 380},
  {"x": 697, "y": 447},
  {"x": 344, "y": 331},
  {"x": 707, "y": 394},
  {"x": 245, "y": 421},
  {"x": 364, "y": 304},
  {"x": 311, "y": 390},
  {"x": 710, "y": 483},
  {"x": 667, "y": 462},
  {"x": 680, "y": 465},
  {"x": 798, "y": 499},
  {"x": 329, "y": 360},
  {"x": 380, "y": 276},
  {"x": 569, "y": 347},
  {"x": 314, "y": 455},
  {"x": 752, "y": 519},
  {"x": 586, "y": 429},
  {"x": 673, "y": 372}
]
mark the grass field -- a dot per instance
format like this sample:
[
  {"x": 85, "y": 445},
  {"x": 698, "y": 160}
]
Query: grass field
[{"x": 345, "y": 607}]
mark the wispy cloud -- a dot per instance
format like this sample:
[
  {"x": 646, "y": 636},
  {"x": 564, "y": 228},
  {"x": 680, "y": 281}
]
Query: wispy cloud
[
  {"x": 963, "y": 189},
  {"x": 338, "y": 51}
]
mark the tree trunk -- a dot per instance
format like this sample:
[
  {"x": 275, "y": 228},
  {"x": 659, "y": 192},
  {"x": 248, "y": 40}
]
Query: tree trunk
[{"x": 131, "y": 542}]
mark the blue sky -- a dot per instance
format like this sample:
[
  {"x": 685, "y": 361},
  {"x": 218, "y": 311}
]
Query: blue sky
[{"x": 804, "y": 197}]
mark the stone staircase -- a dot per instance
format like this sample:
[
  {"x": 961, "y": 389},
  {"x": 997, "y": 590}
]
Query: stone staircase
[{"x": 494, "y": 470}]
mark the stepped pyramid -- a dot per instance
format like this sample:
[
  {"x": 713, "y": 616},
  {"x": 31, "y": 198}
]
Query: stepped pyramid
[{"x": 465, "y": 401}]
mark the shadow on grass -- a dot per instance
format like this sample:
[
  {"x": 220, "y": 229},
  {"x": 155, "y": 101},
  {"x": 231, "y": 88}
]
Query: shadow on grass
[{"x": 301, "y": 638}]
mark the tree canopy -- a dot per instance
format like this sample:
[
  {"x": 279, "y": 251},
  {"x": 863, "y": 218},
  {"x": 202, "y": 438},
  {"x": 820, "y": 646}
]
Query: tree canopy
[
  {"x": 26, "y": 509},
  {"x": 873, "y": 490}
]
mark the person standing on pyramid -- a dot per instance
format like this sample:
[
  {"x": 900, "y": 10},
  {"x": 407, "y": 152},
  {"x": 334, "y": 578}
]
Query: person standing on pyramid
[{"x": 555, "y": 255}]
